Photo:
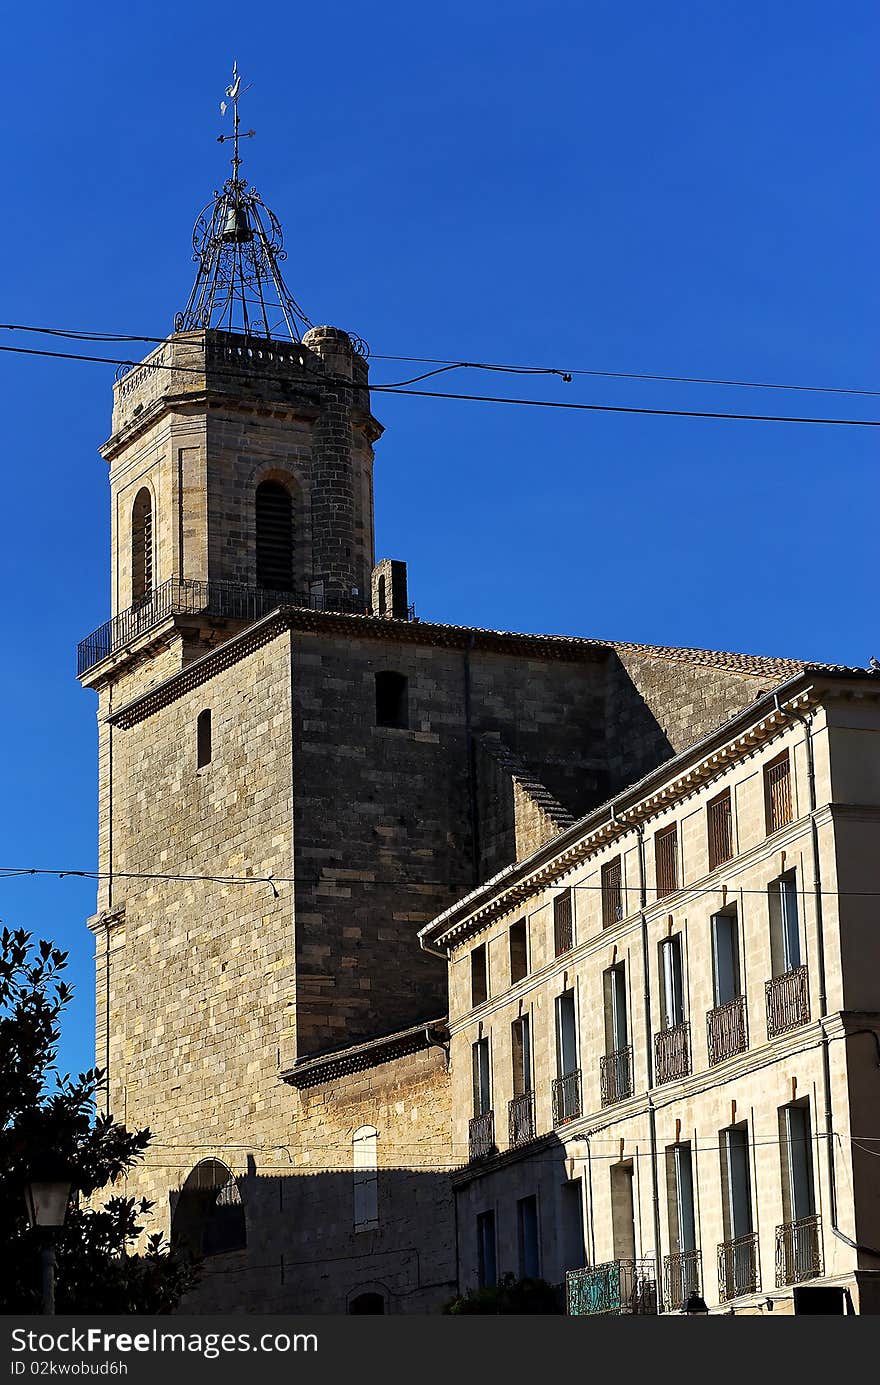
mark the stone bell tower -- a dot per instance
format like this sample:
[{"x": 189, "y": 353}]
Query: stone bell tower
[{"x": 241, "y": 451}]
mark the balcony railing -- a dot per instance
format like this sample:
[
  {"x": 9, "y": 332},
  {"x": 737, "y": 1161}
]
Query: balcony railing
[
  {"x": 738, "y": 1267},
  {"x": 683, "y": 1276},
  {"x": 619, "y": 1286},
  {"x": 798, "y": 1251},
  {"x": 615, "y": 1074},
  {"x": 481, "y": 1136},
  {"x": 788, "y": 1002},
  {"x": 521, "y": 1119},
  {"x": 567, "y": 1104},
  {"x": 186, "y": 596},
  {"x": 672, "y": 1053},
  {"x": 726, "y": 1030}
]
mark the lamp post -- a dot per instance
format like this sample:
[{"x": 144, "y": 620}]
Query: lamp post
[
  {"x": 695, "y": 1304},
  {"x": 46, "y": 1201}
]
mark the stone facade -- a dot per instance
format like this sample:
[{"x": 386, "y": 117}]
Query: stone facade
[
  {"x": 623, "y": 1137},
  {"x": 262, "y": 897}
]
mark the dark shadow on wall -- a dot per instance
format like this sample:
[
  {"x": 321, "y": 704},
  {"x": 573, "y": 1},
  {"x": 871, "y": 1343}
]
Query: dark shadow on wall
[{"x": 296, "y": 1245}]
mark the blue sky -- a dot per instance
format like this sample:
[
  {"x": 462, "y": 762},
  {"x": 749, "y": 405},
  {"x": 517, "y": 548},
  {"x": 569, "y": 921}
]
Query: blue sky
[{"x": 684, "y": 190}]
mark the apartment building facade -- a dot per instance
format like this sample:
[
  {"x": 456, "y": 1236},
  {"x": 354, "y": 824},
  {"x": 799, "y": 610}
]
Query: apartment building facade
[{"x": 664, "y": 1029}]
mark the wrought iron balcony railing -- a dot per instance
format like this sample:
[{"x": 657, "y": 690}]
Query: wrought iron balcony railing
[
  {"x": 567, "y": 1105},
  {"x": 186, "y": 596},
  {"x": 788, "y": 1002},
  {"x": 481, "y": 1136},
  {"x": 672, "y": 1053},
  {"x": 618, "y": 1286},
  {"x": 616, "y": 1076},
  {"x": 726, "y": 1030},
  {"x": 798, "y": 1251},
  {"x": 683, "y": 1276},
  {"x": 738, "y": 1271},
  {"x": 521, "y": 1119}
]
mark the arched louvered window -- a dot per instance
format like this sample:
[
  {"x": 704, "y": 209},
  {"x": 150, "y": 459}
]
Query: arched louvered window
[
  {"x": 141, "y": 547},
  {"x": 366, "y": 1178},
  {"x": 274, "y": 508}
]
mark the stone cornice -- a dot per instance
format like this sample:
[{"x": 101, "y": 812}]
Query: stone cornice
[{"x": 312, "y": 1072}]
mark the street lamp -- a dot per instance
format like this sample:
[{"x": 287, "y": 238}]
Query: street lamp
[{"x": 46, "y": 1201}]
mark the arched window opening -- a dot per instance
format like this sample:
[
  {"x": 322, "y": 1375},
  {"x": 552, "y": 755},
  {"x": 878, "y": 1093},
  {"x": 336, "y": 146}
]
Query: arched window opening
[
  {"x": 209, "y": 1217},
  {"x": 274, "y": 512},
  {"x": 383, "y": 598},
  {"x": 366, "y": 1178},
  {"x": 392, "y": 700},
  {"x": 141, "y": 547},
  {"x": 203, "y": 738},
  {"x": 367, "y": 1303}
]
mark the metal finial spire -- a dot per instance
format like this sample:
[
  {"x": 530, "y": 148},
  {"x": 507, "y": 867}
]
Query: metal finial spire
[{"x": 238, "y": 246}]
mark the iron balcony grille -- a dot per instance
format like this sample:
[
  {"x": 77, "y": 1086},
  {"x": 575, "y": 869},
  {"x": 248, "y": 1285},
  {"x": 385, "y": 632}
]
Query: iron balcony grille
[
  {"x": 612, "y": 894},
  {"x": 521, "y": 1119},
  {"x": 481, "y": 1136},
  {"x": 672, "y": 1053},
  {"x": 798, "y": 1251},
  {"x": 666, "y": 861},
  {"x": 683, "y": 1276},
  {"x": 719, "y": 826},
  {"x": 616, "y": 1077},
  {"x": 738, "y": 1267},
  {"x": 726, "y": 1030},
  {"x": 618, "y": 1286},
  {"x": 563, "y": 925},
  {"x": 777, "y": 793},
  {"x": 567, "y": 1097},
  {"x": 788, "y": 1002},
  {"x": 187, "y": 596}
]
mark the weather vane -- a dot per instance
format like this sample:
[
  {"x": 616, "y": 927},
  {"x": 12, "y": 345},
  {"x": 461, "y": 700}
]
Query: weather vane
[{"x": 234, "y": 91}]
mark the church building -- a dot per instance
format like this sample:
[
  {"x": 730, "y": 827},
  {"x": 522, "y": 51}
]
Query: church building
[{"x": 296, "y": 776}]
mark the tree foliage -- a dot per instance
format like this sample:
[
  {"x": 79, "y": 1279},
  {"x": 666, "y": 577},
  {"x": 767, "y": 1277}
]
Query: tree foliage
[
  {"x": 48, "y": 1122},
  {"x": 509, "y": 1295}
]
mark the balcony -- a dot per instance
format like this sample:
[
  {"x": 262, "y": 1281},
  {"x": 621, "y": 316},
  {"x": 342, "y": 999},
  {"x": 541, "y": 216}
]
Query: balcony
[
  {"x": 683, "y": 1276},
  {"x": 481, "y": 1136},
  {"x": 738, "y": 1267},
  {"x": 726, "y": 1030},
  {"x": 184, "y": 596},
  {"x": 521, "y": 1119},
  {"x": 788, "y": 1002},
  {"x": 567, "y": 1105},
  {"x": 616, "y": 1077},
  {"x": 798, "y": 1251},
  {"x": 619, "y": 1286},
  {"x": 672, "y": 1053}
]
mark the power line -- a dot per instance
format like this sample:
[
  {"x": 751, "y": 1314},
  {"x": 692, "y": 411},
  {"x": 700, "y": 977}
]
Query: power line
[
  {"x": 449, "y": 364},
  {"x": 480, "y": 398}
]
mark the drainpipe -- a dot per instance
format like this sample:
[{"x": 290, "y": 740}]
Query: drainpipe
[
  {"x": 823, "y": 995},
  {"x": 649, "y": 1062}
]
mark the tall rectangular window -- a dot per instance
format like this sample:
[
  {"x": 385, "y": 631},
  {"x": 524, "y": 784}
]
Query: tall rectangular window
[
  {"x": 481, "y": 1077},
  {"x": 720, "y": 829},
  {"x": 736, "y": 1182},
  {"x": 777, "y": 792},
  {"x": 566, "y": 1035},
  {"x": 612, "y": 894},
  {"x": 785, "y": 938},
  {"x": 682, "y": 1220},
  {"x": 203, "y": 738},
  {"x": 521, "y": 1048},
  {"x": 797, "y": 1161},
  {"x": 486, "y": 1267},
  {"x": 479, "y": 976},
  {"x": 616, "y": 1026},
  {"x": 726, "y": 982},
  {"x": 571, "y": 1231},
  {"x": 671, "y": 983},
  {"x": 563, "y": 923},
  {"x": 527, "y": 1237},
  {"x": 519, "y": 955},
  {"x": 666, "y": 861}
]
